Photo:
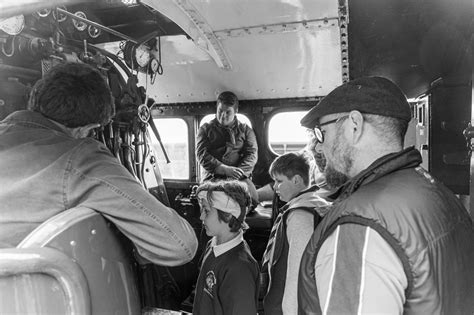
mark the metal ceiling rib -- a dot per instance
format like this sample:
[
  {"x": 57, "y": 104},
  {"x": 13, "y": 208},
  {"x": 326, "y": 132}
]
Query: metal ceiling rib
[
  {"x": 276, "y": 28},
  {"x": 206, "y": 31},
  {"x": 183, "y": 13},
  {"x": 343, "y": 27}
]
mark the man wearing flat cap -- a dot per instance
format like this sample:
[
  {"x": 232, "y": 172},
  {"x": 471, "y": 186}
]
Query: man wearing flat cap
[{"x": 395, "y": 240}]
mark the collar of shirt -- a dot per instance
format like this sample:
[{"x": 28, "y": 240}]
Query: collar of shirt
[{"x": 225, "y": 247}]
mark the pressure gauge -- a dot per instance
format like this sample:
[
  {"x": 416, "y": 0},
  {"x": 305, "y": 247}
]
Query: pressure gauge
[
  {"x": 137, "y": 57},
  {"x": 13, "y": 25},
  {"x": 144, "y": 113},
  {"x": 44, "y": 12},
  {"x": 58, "y": 16},
  {"x": 154, "y": 65},
  {"x": 93, "y": 31},
  {"x": 78, "y": 24},
  {"x": 142, "y": 55}
]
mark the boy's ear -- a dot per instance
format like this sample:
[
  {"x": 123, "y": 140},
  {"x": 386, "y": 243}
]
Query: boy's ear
[{"x": 296, "y": 179}]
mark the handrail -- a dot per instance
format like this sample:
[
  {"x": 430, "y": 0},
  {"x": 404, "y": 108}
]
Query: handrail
[
  {"x": 97, "y": 25},
  {"x": 45, "y": 232},
  {"x": 16, "y": 261}
]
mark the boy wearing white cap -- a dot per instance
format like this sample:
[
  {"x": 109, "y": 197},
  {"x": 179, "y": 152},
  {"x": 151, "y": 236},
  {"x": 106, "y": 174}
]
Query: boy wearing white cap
[{"x": 228, "y": 279}]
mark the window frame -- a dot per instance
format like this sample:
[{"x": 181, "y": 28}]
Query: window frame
[
  {"x": 271, "y": 116},
  {"x": 189, "y": 121}
]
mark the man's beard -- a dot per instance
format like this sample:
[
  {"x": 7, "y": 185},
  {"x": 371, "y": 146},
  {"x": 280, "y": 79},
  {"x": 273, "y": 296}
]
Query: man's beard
[
  {"x": 334, "y": 178},
  {"x": 341, "y": 156},
  {"x": 320, "y": 160}
]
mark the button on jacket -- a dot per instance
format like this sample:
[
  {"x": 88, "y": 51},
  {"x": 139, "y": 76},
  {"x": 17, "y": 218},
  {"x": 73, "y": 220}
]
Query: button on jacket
[{"x": 44, "y": 171}]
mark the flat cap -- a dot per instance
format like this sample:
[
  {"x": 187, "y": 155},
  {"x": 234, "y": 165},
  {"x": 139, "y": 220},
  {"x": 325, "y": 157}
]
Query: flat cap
[{"x": 368, "y": 95}]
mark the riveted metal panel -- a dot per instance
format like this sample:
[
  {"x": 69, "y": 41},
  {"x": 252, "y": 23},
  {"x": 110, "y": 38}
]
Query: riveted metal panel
[{"x": 273, "y": 49}]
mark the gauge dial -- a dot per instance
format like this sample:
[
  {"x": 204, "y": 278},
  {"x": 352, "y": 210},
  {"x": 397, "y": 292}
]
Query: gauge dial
[
  {"x": 154, "y": 64},
  {"x": 58, "y": 16},
  {"x": 78, "y": 24},
  {"x": 13, "y": 25},
  {"x": 142, "y": 55},
  {"x": 93, "y": 31},
  {"x": 43, "y": 12}
]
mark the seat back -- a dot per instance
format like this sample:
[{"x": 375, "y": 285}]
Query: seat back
[
  {"x": 103, "y": 255},
  {"x": 41, "y": 281}
]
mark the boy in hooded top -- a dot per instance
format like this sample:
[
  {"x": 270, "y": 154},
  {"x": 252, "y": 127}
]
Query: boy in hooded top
[
  {"x": 228, "y": 279},
  {"x": 290, "y": 233}
]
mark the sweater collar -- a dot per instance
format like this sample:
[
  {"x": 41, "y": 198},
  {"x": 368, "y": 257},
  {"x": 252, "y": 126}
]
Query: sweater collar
[
  {"x": 300, "y": 196},
  {"x": 308, "y": 198},
  {"x": 225, "y": 247}
]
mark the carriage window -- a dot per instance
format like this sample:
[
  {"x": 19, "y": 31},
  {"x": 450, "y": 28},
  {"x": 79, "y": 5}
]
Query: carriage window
[
  {"x": 285, "y": 133},
  {"x": 174, "y": 135},
  {"x": 240, "y": 117}
]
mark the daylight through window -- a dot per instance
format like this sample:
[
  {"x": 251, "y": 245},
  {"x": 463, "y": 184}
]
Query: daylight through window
[
  {"x": 174, "y": 135},
  {"x": 285, "y": 133}
]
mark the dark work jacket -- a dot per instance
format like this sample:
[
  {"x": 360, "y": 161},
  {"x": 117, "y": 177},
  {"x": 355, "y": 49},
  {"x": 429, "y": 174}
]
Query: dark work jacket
[
  {"x": 233, "y": 146},
  {"x": 423, "y": 222}
]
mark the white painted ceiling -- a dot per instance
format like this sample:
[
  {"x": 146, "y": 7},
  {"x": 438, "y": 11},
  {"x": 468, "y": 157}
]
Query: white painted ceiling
[{"x": 259, "y": 49}]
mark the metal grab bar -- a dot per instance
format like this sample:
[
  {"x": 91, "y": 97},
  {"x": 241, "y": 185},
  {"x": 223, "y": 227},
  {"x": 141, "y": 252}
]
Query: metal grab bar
[{"x": 49, "y": 261}]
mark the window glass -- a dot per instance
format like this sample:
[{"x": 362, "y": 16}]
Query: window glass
[
  {"x": 285, "y": 133},
  {"x": 174, "y": 135},
  {"x": 240, "y": 117}
]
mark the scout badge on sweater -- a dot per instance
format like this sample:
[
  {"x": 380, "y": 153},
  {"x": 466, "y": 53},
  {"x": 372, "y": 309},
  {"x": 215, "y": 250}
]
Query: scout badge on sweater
[{"x": 210, "y": 282}]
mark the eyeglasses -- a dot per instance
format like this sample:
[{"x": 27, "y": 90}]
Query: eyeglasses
[{"x": 319, "y": 134}]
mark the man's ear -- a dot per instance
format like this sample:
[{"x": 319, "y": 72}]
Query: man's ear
[
  {"x": 83, "y": 131},
  {"x": 356, "y": 121}
]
